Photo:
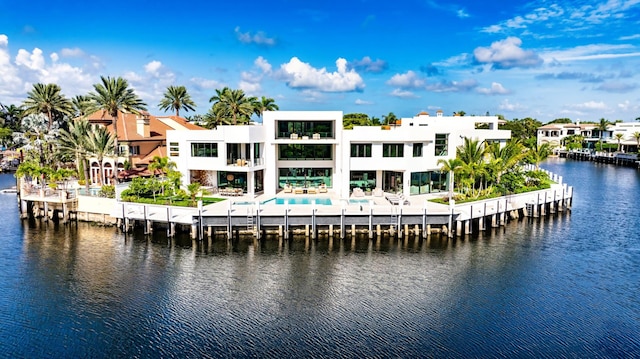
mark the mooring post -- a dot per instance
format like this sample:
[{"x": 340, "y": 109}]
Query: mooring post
[
  {"x": 229, "y": 224},
  {"x": 286, "y": 219},
  {"x": 313, "y": 219},
  {"x": 370, "y": 219},
  {"x": 258, "y": 219},
  {"x": 200, "y": 224}
]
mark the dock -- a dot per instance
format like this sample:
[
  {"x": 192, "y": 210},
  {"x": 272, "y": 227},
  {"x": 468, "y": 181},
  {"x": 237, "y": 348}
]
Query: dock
[{"x": 616, "y": 158}]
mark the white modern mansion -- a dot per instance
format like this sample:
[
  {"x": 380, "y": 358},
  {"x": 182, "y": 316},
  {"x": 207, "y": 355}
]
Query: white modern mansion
[
  {"x": 310, "y": 150},
  {"x": 554, "y": 134}
]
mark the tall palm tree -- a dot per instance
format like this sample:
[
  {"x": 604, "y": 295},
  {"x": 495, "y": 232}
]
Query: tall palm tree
[
  {"x": 636, "y": 136},
  {"x": 602, "y": 127},
  {"x": 74, "y": 143},
  {"x": 113, "y": 95},
  {"x": 264, "y": 104},
  {"x": 100, "y": 145},
  {"x": 47, "y": 99},
  {"x": 451, "y": 166},
  {"x": 234, "y": 104},
  {"x": 619, "y": 137},
  {"x": 162, "y": 164},
  {"x": 176, "y": 98},
  {"x": 389, "y": 119}
]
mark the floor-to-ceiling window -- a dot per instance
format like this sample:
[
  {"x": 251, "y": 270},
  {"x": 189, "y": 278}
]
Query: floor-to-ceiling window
[
  {"x": 362, "y": 179},
  {"x": 232, "y": 180},
  {"x": 304, "y": 177},
  {"x": 392, "y": 181}
]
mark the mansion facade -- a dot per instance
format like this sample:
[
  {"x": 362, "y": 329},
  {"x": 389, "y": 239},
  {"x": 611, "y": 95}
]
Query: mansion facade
[{"x": 311, "y": 149}]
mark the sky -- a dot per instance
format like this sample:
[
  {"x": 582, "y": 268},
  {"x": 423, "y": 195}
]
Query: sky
[{"x": 540, "y": 59}]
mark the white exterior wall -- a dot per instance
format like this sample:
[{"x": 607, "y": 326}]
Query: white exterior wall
[{"x": 419, "y": 129}]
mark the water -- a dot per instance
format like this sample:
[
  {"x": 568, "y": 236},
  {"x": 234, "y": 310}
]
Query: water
[
  {"x": 561, "y": 287},
  {"x": 324, "y": 201}
]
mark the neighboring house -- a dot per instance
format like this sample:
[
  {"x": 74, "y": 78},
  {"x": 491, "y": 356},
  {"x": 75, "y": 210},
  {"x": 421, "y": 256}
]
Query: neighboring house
[
  {"x": 310, "y": 149},
  {"x": 628, "y": 142},
  {"x": 555, "y": 133},
  {"x": 140, "y": 138}
]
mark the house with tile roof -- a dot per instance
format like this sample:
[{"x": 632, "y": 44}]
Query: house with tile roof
[{"x": 140, "y": 139}]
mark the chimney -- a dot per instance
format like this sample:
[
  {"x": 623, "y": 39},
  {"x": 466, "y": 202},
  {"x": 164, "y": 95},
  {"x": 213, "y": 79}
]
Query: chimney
[{"x": 142, "y": 125}]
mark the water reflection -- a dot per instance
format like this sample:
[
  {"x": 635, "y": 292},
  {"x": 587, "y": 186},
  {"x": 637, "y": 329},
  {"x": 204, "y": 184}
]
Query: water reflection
[{"x": 563, "y": 286}]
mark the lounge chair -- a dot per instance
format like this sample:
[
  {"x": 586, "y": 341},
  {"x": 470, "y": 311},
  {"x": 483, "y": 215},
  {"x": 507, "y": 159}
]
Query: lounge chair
[
  {"x": 322, "y": 189},
  {"x": 287, "y": 189},
  {"x": 358, "y": 192},
  {"x": 378, "y": 192},
  {"x": 312, "y": 190},
  {"x": 298, "y": 190}
]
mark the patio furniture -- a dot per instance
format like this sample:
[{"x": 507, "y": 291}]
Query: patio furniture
[{"x": 322, "y": 189}]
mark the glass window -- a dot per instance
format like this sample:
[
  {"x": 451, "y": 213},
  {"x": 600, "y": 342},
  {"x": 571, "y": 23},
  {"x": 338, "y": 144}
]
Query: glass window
[
  {"x": 392, "y": 150},
  {"x": 204, "y": 149},
  {"x": 442, "y": 144},
  {"x": 360, "y": 150},
  {"x": 417, "y": 150},
  {"x": 305, "y": 152},
  {"x": 304, "y": 177}
]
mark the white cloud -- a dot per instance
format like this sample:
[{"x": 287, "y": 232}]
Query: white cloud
[
  {"x": 32, "y": 61},
  {"x": 590, "y": 105},
  {"x": 263, "y": 65},
  {"x": 616, "y": 87},
  {"x": 630, "y": 37},
  {"x": 75, "y": 52},
  {"x": 153, "y": 68},
  {"x": 506, "y": 105},
  {"x": 403, "y": 94},
  {"x": 301, "y": 75},
  {"x": 4, "y": 40},
  {"x": 259, "y": 38},
  {"x": 495, "y": 89},
  {"x": 505, "y": 54},
  {"x": 407, "y": 80},
  {"x": 363, "y": 102}
]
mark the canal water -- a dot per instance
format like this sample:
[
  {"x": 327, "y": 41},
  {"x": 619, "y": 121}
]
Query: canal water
[{"x": 567, "y": 286}]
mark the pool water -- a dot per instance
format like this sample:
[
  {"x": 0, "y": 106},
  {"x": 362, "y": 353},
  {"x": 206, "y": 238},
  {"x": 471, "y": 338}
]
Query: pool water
[
  {"x": 300, "y": 200},
  {"x": 359, "y": 201}
]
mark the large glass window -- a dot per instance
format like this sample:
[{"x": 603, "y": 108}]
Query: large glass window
[
  {"x": 304, "y": 177},
  {"x": 417, "y": 150},
  {"x": 305, "y": 128},
  {"x": 442, "y": 144},
  {"x": 232, "y": 180},
  {"x": 199, "y": 149},
  {"x": 305, "y": 152},
  {"x": 393, "y": 150},
  {"x": 362, "y": 179},
  {"x": 361, "y": 150}
]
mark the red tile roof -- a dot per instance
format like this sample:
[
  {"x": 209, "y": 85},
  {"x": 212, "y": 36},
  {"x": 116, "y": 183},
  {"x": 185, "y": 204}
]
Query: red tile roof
[{"x": 127, "y": 125}]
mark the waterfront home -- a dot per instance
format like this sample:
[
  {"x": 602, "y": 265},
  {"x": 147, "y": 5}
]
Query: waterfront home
[
  {"x": 309, "y": 152},
  {"x": 628, "y": 142},
  {"x": 140, "y": 138},
  {"x": 555, "y": 133}
]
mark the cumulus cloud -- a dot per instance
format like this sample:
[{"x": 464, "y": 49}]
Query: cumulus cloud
[
  {"x": 259, "y": 38},
  {"x": 28, "y": 67},
  {"x": 495, "y": 89},
  {"x": 407, "y": 80},
  {"x": 251, "y": 81},
  {"x": 151, "y": 84},
  {"x": 201, "y": 84},
  {"x": 506, "y": 54},
  {"x": 301, "y": 75},
  {"x": 453, "y": 86},
  {"x": 369, "y": 65}
]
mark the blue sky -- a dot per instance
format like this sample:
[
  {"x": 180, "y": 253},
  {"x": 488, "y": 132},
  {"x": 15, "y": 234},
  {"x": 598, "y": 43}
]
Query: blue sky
[{"x": 576, "y": 59}]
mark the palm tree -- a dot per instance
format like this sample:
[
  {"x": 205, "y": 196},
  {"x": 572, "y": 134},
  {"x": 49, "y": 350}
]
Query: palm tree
[
  {"x": 47, "y": 99},
  {"x": 451, "y": 166},
  {"x": 81, "y": 105},
  {"x": 11, "y": 116},
  {"x": 389, "y": 119},
  {"x": 264, "y": 104},
  {"x": 618, "y": 137},
  {"x": 539, "y": 154},
  {"x": 74, "y": 143},
  {"x": 234, "y": 104},
  {"x": 176, "y": 98},
  {"x": 113, "y": 95},
  {"x": 162, "y": 164},
  {"x": 602, "y": 127},
  {"x": 636, "y": 136},
  {"x": 100, "y": 145}
]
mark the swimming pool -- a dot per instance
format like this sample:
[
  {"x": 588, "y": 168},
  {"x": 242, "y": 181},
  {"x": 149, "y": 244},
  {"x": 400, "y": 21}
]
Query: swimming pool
[
  {"x": 323, "y": 201},
  {"x": 359, "y": 201}
]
